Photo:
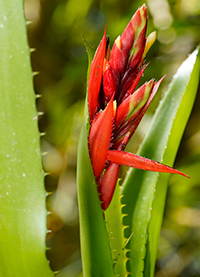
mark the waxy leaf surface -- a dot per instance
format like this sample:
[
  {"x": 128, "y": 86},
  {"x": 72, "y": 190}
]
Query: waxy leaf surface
[
  {"x": 160, "y": 144},
  {"x": 22, "y": 193}
]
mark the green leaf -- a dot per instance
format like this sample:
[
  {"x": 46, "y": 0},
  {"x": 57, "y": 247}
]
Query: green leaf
[
  {"x": 192, "y": 76},
  {"x": 95, "y": 245},
  {"x": 22, "y": 193},
  {"x": 160, "y": 144},
  {"x": 115, "y": 228}
]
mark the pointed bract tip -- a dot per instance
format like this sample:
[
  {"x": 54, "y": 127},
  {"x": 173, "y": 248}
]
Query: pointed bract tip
[
  {"x": 143, "y": 7},
  {"x": 114, "y": 106},
  {"x": 149, "y": 42},
  {"x": 133, "y": 160},
  {"x": 157, "y": 84},
  {"x": 94, "y": 82},
  {"x": 139, "y": 18},
  {"x": 181, "y": 173},
  {"x": 118, "y": 42},
  {"x": 105, "y": 30}
]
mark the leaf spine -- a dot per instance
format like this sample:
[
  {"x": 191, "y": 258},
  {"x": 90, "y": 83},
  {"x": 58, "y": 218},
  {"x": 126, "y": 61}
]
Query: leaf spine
[{"x": 35, "y": 73}]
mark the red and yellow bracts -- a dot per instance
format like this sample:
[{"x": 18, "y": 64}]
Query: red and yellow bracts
[{"x": 116, "y": 107}]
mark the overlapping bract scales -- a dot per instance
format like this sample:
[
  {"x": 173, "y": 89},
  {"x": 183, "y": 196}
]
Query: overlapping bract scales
[{"x": 116, "y": 107}]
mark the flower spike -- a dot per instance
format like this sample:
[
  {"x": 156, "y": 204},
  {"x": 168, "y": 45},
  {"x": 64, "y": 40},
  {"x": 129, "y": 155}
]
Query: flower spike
[{"x": 116, "y": 107}]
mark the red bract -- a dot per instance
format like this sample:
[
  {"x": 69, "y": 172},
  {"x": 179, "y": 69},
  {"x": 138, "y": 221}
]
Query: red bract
[
  {"x": 100, "y": 137},
  {"x": 116, "y": 107},
  {"x": 129, "y": 159},
  {"x": 96, "y": 77}
]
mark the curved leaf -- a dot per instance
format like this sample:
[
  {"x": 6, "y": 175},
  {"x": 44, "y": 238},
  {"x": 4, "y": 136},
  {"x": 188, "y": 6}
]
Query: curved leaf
[
  {"x": 139, "y": 187},
  {"x": 22, "y": 193},
  {"x": 178, "y": 127}
]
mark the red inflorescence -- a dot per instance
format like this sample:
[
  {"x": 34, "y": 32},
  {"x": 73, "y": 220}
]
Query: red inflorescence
[{"x": 116, "y": 107}]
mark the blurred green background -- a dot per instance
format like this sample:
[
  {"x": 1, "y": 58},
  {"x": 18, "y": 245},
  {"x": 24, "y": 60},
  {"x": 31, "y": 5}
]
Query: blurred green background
[{"x": 61, "y": 60}]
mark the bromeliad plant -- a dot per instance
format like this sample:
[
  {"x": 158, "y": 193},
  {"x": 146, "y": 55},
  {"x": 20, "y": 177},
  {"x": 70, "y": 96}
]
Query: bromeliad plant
[
  {"x": 123, "y": 238},
  {"x": 114, "y": 109}
]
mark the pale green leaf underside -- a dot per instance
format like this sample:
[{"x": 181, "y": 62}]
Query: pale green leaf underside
[
  {"x": 160, "y": 144},
  {"x": 22, "y": 193}
]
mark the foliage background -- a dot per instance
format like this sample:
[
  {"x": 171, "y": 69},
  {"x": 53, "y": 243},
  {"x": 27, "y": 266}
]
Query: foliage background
[{"x": 61, "y": 60}]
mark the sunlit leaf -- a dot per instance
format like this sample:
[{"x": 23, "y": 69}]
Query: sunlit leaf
[
  {"x": 22, "y": 192},
  {"x": 160, "y": 144}
]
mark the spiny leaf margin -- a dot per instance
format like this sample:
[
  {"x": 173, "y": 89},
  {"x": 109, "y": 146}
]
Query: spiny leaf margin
[
  {"x": 22, "y": 193},
  {"x": 182, "y": 116},
  {"x": 139, "y": 186},
  {"x": 115, "y": 228}
]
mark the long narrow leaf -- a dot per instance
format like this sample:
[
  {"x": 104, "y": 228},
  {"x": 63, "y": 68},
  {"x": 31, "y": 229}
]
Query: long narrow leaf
[
  {"x": 178, "y": 127},
  {"x": 22, "y": 193},
  {"x": 139, "y": 186}
]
